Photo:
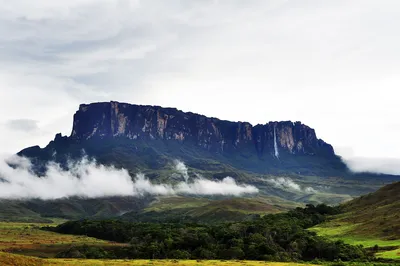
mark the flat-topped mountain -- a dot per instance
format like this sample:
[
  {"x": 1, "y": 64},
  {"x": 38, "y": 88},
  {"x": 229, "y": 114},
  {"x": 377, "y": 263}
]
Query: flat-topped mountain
[
  {"x": 142, "y": 131},
  {"x": 111, "y": 120},
  {"x": 285, "y": 160}
]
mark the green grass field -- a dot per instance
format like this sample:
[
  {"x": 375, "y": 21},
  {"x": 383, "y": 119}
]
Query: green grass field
[
  {"x": 28, "y": 239},
  {"x": 344, "y": 231},
  {"x": 203, "y": 210},
  {"x": 7, "y": 259},
  {"x": 259, "y": 205},
  {"x": 27, "y": 243},
  {"x": 24, "y": 244}
]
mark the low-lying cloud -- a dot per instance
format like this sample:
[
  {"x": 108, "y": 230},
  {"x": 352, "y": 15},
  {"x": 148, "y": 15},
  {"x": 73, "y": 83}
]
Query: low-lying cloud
[
  {"x": 288, "y": 184},
  {"x": 86, "y": 178},
  {"x": 374, "y": 165},
  {"x": 182, "y": 169}
]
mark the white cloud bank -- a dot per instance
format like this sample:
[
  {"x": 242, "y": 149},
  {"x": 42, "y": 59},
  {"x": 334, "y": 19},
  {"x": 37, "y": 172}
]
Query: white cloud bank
[
  {"x": 288, "y": 184},
  {"x": 374, "y": 165},
  {"x": 86, "y": 178}
]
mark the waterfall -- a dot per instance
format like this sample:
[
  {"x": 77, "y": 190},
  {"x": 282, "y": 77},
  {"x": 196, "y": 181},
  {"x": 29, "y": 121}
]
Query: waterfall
[{"x": 275, "y": 144}]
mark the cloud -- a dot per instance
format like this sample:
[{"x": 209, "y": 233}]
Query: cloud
[
  {"x": 181, "y": 168},
  {"x": 22, "y": 125},
  {"x": 226, "y": 187},
  {"x": 202, "y": 186},
  {"x": 374, "y": 165},
  {"x": 288, "y": 184},
  {"x": 316, "y": 55},
  {"x": 86, "y": 178}
]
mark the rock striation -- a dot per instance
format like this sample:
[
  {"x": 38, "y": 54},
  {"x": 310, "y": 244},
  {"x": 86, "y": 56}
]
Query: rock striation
[{"x": 121, "y": 120}]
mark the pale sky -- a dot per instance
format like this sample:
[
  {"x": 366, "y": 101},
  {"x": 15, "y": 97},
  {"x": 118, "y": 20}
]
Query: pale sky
[{"x": 334, "y": 65}]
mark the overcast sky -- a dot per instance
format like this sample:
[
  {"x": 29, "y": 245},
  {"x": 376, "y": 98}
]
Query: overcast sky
[{"x": 334, "y": 65}]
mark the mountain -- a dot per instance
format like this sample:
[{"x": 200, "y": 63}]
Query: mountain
[
  {"x": 144, "y": 137},
  {"x": 284, "y": 160}
]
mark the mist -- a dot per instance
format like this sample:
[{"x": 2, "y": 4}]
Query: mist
[
  {"x": 288, "y": 184},
  {"x": 86, "y": 178},
  {"x": 203, "y": 186},
  {"x": 182, "y": 169}
]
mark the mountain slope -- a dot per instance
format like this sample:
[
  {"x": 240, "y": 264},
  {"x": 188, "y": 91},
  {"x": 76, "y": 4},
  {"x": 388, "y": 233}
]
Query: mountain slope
[
  {"x": 204, "y": 210},
  {"x": 377, "y": 214},
  {"x": 371, "y": 220},
  {"x": 35, "y": 210}
]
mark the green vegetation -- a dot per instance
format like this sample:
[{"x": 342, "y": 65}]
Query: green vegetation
[
  {"x": 317, "y": 198},
  {"x": 7, "y": 259},
  {"x": 279, "y": 237},
  {"x": 171, "y": 203},
  {"x": 28, "y": 239},
  {"x": 156, "y": 160},
  {"x": 206, "y": 210},
  {"x": 345, "y": 232},
  {"x": 261, "y": 205},
  {"x": 41, "y": 211},
  {"x": 377, "y": 214},
  {"x": 319, "y": 234},
  {"x": 372, "y": 220},
  {"x": 391, "y": 254}
]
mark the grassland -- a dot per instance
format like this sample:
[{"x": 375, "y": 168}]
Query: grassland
[
  {"x": 31, "y": 246},
  {"x": 260, "y": 205},
  {"x": 369, "y": 220},
  {"x": 377, "y": 214},
  {"x": 172, "y": 263},
  {"x": 24, "y": 244},
  {"x": 28, "y": 239},
  {"x": 205, "y": 210},
  {"x": 171, "y": 203},
  {"x": 345, "y": 231},
  {"x": 7, "y": 259},
  {"x": 317, "y": 198}
]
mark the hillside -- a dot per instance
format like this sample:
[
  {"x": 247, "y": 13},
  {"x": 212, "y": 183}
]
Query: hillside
[
  {"x": 378, "y": 213},
  {"x": 371, "y": 220},
  {"x": 35, "y": 210},
  {"x": 175, "y": 208},
  {"x": 204, "y": 210}
]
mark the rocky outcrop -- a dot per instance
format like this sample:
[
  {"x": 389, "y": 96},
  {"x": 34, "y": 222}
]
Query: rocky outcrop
[{"x": 116, "y": 120}]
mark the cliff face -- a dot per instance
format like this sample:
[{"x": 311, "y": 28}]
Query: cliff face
[
  {"x": 134, "y": 122},
  {"x": 148, "y": 137}
]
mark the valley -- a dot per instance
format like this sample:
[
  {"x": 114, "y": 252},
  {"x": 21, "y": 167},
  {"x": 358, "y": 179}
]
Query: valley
[
  {"x": 370, "y": 220},
  {"x": 199, "y": 133}
]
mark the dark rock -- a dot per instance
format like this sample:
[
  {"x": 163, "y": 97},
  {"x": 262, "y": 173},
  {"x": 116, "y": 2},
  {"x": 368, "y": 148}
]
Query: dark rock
[
  {"x": 116, "y": 132},
  {"x": 111, "y": 120}
]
